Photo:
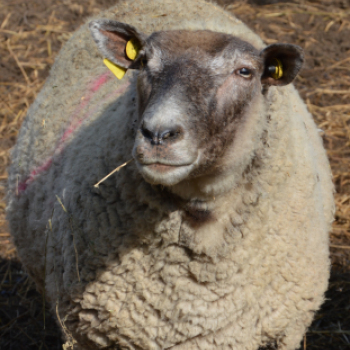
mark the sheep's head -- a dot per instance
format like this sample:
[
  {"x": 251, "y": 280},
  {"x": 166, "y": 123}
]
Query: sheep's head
[{"x": 195, "y": 91}]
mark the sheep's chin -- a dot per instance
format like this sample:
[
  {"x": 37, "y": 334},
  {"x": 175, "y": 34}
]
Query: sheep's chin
[{"x": 166, "y": 175}]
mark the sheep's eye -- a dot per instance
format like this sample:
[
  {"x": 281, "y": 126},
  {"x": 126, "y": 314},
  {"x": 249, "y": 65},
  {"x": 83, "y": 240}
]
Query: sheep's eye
[{"x": 245, "y": 72}]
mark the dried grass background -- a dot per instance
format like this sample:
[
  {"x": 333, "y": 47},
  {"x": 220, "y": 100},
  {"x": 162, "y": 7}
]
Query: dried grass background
[{"x": 31, "y": 34}]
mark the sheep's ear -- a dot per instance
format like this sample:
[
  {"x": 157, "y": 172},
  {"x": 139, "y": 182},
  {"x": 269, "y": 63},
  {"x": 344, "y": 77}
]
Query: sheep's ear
[
  {"x": 282, "y": 63},
  {"x": 120, "y": 43}
]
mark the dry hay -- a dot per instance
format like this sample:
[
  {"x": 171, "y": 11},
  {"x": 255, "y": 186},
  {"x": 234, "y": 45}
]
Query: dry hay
[{"x": 32, "y": 32}]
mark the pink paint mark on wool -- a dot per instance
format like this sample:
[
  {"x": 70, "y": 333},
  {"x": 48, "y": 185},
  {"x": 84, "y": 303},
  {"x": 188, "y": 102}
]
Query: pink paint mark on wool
[
  {"x": 93, "y": 88},
  {"x": 119, "y": 91},
  {"x": 77, "y": 122},
  {"x": 43, "y": 167},
  {"x": 100, "y": 81}
]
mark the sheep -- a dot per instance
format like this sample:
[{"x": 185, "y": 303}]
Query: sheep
[{"x": 215, "y": 233}]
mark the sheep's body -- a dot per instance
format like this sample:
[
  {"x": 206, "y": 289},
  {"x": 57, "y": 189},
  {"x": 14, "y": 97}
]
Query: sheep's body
[{"x": 123, "y": 265}]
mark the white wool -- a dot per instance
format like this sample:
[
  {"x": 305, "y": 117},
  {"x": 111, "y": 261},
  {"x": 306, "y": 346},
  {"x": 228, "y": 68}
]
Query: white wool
[{"x": 126, "y": 268}]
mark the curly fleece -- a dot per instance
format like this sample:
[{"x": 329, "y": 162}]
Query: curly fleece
[{"x": 122, "y": 264}]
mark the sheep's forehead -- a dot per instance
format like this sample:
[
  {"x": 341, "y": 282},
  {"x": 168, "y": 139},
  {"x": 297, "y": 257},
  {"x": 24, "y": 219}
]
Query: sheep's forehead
[{"x": 201, "y": 46}]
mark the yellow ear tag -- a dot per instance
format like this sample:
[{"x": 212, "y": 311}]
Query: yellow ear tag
[
  {"x": 278, "y": 69},
  {"x": 132, "y": 48},
  {"x": 118, "y": 71}
]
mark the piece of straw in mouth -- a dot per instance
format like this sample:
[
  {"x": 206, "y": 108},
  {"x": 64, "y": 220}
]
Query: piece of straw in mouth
[{"x": 112, "y": 172}]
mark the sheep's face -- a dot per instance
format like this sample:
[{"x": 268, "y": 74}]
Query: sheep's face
[{"x": 195, "y": 89}]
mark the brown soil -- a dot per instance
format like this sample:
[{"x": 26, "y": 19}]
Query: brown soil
[{"x": 31, "y": 34}]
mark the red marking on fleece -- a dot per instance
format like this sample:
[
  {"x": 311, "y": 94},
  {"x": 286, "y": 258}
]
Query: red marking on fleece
[
  {"x": 100, "y": 81},
  {"x": 94, "y": 87}
]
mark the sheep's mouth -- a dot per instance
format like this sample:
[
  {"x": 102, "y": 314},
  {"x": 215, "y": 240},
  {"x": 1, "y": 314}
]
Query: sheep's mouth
[
  {"x": 166, "y": 174},
  {"x": 165, "y": 166},
  {"x": 162, "y": 168}
]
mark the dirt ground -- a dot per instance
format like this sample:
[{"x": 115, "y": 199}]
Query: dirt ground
[{"x": 31, "y": 34}]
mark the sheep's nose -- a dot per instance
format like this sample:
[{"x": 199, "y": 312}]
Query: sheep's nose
[{"x": 161, "y": 133}]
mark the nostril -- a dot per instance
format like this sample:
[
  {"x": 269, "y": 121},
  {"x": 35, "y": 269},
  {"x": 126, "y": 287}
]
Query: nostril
[
  {"x": 169, "y": 134},
  {"x": 147, "y": 133},
  {"x": 157, "y": 134},
  {"x": 166, "y": 135}
]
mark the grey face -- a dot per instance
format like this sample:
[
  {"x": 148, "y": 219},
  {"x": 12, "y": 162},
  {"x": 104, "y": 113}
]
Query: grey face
[{"x": 195, "y": 89}]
